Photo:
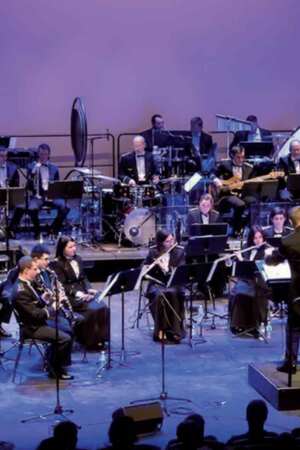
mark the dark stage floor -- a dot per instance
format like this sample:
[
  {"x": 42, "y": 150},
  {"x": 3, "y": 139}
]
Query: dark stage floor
[{"x": 213, "y": 376}]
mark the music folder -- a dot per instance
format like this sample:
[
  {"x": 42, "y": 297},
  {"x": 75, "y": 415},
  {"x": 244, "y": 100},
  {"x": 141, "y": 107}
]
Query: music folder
[
  {"x": 263, "y": 149},
  {"x": 209, "y": 229}
]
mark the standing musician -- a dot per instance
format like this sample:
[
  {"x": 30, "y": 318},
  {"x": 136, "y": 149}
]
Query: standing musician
[
  {"x": 237, "y": 170},
  {"x": 248, "y": 304},
  {"x": 138, "y": 166},
  {"x": 290, "y": 250},
  {"x": 256, "y": 134},
  {"x": 205, "y": 213},
  {"x": 34, "y": 315},
  {"x": 155, "y": 135},
  {"x": 40, "y": 174},
  {"x": 93, "y": 331},
  {"x": 278, "y": 219},
  {"x": 166, "y": 305},
  {"x": 289, "y": 164}
]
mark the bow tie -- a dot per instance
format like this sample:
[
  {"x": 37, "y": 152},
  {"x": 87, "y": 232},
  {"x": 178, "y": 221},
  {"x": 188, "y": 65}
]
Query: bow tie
[{"x": 140, "y": 156}]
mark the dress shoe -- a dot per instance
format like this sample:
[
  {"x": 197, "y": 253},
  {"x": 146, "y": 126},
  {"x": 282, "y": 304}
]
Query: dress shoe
[
  {"x": 4, "y": 333},
  {"x": 64, "y": 376},
  {"x": 285, "y": 367}
]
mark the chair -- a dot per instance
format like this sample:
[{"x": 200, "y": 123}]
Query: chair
[
  {"x": 39, "y": 344},
  {"x": 143, "y": 307}
]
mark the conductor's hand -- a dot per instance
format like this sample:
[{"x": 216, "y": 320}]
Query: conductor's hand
[
  {"x": 131, "y": 182},
  {"x": 155, "y": 179},
  {"x": 87, "y": 298},
  {"x": 92, "y": 291}
]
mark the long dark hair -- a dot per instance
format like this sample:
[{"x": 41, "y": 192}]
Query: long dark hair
[
  {"x": 253, "y": 230},
  {"x": 61, "y": 245},
  {"x": 160, "y": 237}
]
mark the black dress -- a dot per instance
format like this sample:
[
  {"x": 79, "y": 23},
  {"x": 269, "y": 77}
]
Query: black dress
[
  {"x": 248, "y": 300},
  {"x": 166, "y": 305},
  {"x": 94, "y": 329}
]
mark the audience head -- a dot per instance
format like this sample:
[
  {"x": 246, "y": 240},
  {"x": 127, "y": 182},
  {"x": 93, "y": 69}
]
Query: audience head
[
  {"x": 43, "y": 153},
  {"x": 196, "y": 124},
  {"x": 139, "y": 144},
  {"x": 66, "y": 247},
  {"x": 206, "y": 203},
  {"x": 164, "y": 239},
  {"x": 157, "y": 121},
  {"x": 65, "y": 434},
  {"x": 40, "y": 254},
  {"x": 28, "y": 268},
  {"x": 257, "y": 413},
  {"x": 256, "y": 236},
  {"x": 295, "y": 149},
  {"x": 295, "y": 216},
  {"x": 188, "y": 433},
  {"x": 122, "y": 432},
  {"x": 237, "y": 154}
]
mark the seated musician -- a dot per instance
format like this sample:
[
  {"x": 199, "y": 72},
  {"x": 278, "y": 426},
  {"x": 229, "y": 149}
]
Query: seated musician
[
  {"x": 256, "y": 134},
  {"x": 93, "y": 331},
  {"x": 166, "y": 305},
  {"x": 34, "y": 315},
  {"x": 248, "y": 304},
  {"x": 205, "y": 213},
  {"x": 40, "y": 174},
  {"x": 138, "y": 166},
  {"x": 278, "y": 228},
  {"x": 9, "y": 175},
  {"x": 237, "y": 170},
  {"x": 289, "y": 164},
  {"x": 50, "y": 288}
]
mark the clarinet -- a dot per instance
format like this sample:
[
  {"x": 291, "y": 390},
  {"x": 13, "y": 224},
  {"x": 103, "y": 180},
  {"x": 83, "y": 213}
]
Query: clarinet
[{"x": 64, "y": 303}]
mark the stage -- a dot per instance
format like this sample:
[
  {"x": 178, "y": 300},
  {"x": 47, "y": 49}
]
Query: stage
[{"x": 213, "y": 375}]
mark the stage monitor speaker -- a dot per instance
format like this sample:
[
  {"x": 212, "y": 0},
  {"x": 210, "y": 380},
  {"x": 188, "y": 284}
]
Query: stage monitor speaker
[{"x": 148, "y": 417}]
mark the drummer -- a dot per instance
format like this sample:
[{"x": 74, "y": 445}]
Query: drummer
[{"x": 138, "y": 166}]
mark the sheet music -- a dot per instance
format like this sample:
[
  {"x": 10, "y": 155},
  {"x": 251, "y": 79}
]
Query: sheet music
[{"x": 281, "y": 271}]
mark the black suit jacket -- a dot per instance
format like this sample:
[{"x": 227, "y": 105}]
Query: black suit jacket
[
  {"x": 269, "y": 231},
  {"x": 12, "y": 174},
  {"x": 286, "y": 164},
  {"x": 241, "y": 136},
  {"x": 156, "y": 137},
  {"x": 225, "y": 170},
  {"x": 30, "y": 307},
  {"x": 206, "y": 145},
  {"x": 128, "y": 168},
  {"x": 195, "y": 216},
  {"x": 70, "y": 281}
]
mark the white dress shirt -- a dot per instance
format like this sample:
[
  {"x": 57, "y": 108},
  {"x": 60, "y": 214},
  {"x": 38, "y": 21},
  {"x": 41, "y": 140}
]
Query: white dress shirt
[{"x": 141, "y": 166}]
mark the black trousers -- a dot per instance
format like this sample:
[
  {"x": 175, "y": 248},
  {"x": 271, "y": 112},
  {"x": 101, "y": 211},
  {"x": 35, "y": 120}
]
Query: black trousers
[{"x": 59, "y": 353}]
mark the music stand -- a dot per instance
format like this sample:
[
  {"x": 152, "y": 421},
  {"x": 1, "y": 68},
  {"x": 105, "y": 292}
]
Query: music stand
[
  {"x": 263, "y": 149},
  {"x": 198, "y": 246},
  {"x": 274, "y": 241},
  {"x": 215, "y": 229},
  {"x": 188, "y": 275},
  {"x": 10, "y": 198},
  {"x": 120, "y": 283},
  {"x": 263, "y": 189},
  {"x": 293, "y": 184},
  {"x": 65, "y": 189}
]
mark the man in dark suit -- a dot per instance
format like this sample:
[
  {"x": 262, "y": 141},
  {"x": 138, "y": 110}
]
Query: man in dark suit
[
  {"x": 256, "y": 134},
  {"x": 156, "y": 135},
  {"x": 203, "y": 214},
  {"x": 278, "y": 228},
  {"x": 241, "y": 170},
  {"x": 200, "y": 145},
  {"x": 289, "y": 164},
  {"x": 34, "y": 314},
  {"x": 138, "y": 166},
  {"x": 290, "y": 250},
  {"x": 40, "y": 174}
]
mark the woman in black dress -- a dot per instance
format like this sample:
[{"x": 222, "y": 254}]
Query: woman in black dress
[
  {"x": 93, "y": 331},
  {"x": 248, "y": 301},
  {"x": 166, "y": 304}
]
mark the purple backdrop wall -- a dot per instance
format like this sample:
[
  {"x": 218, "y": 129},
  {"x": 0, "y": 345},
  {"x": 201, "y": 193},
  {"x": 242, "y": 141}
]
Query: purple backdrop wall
[{"x": 131, "y": 58}]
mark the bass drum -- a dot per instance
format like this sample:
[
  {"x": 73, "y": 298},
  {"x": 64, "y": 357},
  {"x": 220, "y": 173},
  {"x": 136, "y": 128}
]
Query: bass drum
[{"x": 139, "y": 226}]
